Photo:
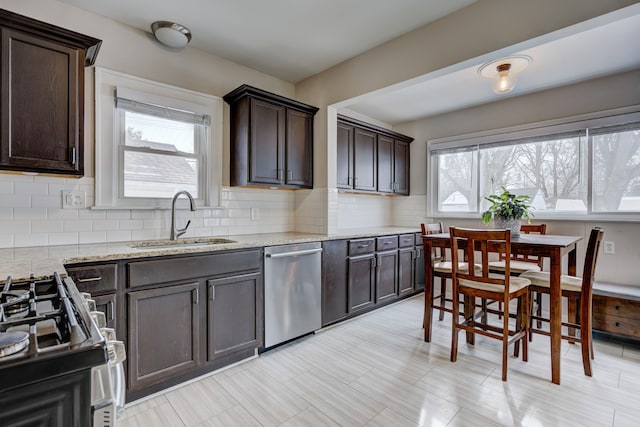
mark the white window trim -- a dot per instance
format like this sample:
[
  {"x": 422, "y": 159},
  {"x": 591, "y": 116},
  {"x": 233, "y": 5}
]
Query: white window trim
[
  {"x": 106, "y": 142},
  {"x": 591, "y": 120}
]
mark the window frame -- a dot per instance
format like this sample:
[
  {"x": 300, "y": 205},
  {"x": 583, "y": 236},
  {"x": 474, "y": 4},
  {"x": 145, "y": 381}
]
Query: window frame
[
  {"x": 109, "y": 153},
  {"x": 522, "y": 133}
]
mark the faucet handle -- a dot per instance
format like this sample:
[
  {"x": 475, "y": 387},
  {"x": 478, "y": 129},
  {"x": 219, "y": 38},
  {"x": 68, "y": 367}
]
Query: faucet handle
[{"x": 181, "y": 231}]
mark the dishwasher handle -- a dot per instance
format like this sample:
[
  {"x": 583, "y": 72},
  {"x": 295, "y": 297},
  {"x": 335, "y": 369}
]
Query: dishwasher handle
[{"x": 294, "y": 253}]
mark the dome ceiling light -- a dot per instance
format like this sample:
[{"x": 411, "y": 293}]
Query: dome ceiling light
[
  {"x": 171, "y": 34},
  {"x": 503, "y": 71}
]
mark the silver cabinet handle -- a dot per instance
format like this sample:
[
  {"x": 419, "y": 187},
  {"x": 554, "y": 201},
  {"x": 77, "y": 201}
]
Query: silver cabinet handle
[
  {"x": 363, "y": 246},
  {"x": 212, "y": 292},
  {"x": 196, "y": 296}
]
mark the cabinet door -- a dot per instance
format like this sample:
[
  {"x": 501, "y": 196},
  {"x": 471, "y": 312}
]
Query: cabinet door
[
  {"x": 385, "y": 164},
  {"x": 299, "y": 151},
  {"x": 234, "y": 313},
  {"x": 266, "y": 142},
  {"x": 163, "y": 333},
  {"x": 42, "y": 98},
  {"x": 344, "y": 156},
  {"x": 334, "y": 281},
  {"x": 406, "y": 270},
  {"x": 362, "y": 282},
  {"x": 365, "y": 159},
  {"x": 387, "y": 275},
  {"x": 401, "y": 167}
]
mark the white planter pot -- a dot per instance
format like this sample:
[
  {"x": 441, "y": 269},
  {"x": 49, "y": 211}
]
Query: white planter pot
[{"x": 509, "y": 224}]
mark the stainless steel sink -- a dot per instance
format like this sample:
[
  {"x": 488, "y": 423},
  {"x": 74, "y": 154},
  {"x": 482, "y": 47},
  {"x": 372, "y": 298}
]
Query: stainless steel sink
[{"x": 196, "y": 241}]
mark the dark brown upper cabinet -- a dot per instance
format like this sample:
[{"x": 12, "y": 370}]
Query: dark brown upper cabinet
[
  {"x": 271, "y": 139},
  {"x": 42, "y": 95},
  {"x": 371, "y": 159}
]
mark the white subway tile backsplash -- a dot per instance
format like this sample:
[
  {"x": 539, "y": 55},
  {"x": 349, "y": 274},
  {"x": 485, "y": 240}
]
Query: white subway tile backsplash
[
  {"x": 105, "y": 225},
  {"x": 130, "y": 224},
  {"x": 6, "y": 187},
  {"x": 64, "y": 214},
  {"x": 43, "y": 201},
  {"x": 6, "y": 240},
  {"x": 32, "y": 239},
  {"x": 30, "y": 213},
  {"x": 63, "y": 238},
  {"x": 119, "y": 214},
  {"x": 43, "y": 226},
  {"x": 79, "y": 225},
  {"x": 85, "y": 237},
  {"x": 6, "y": 214},
  {"x": 118, "y": 236},
  {"x": 16, "y": 226},
  {"x": 32, "y": 188},
  {"x": 15, "y": 201}
]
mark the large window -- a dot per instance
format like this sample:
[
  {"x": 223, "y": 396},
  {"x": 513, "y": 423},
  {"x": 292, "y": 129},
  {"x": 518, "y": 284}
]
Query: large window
[
  {"x": 587, "y": 167},
  {"x": 154, "y": 140}
]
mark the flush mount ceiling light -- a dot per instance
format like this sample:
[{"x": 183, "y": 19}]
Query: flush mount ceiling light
[
  {"x": 171, "y": 34},
  {"x": 503, "y": 71}
]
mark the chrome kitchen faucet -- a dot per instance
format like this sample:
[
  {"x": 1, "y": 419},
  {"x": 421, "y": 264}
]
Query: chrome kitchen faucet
[{"x": 177, "y": 232}]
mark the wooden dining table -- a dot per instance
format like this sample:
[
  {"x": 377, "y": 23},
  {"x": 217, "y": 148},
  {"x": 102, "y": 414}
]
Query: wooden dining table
[{"x": 548, "y": 246}]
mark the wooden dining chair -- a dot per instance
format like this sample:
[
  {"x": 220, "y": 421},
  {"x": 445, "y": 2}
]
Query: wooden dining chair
[
  {"x": 441, "y": 269},
  {"x": 489, "y": 286},
  {"x": 577, "y": 289},
  {"x": 521, "y": 263}
]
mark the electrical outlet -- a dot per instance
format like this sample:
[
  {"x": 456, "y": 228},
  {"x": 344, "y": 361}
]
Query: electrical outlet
[
  {"x": 73, "y": 199},
  {"x": 609, "y": 247}
]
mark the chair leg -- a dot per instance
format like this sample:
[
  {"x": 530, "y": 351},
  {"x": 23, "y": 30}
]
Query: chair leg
[
  {"x": 586, "y": 342},
  {"x": 538, "y": 309},
  {"x": 455, "y": 318},
  {"x": 505, "y": 340},
  {"x": 525, "y": 324},
  {"x": 572, "y": 313},
  {"x": 443, "y": 295},
  {"x": 519, "y": 327}
]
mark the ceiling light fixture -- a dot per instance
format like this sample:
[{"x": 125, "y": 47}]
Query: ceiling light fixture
[
  {"x": 503, "y": 71},
  {"x": 171, "y": 34}
]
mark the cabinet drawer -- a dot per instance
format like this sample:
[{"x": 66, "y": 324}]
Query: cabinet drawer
[
  {"x": 616, "y": 307},
  {"x": 142, "y": 273},
  {"x": 386, "y": 243},
  {"x": 361, "y": 246},
  {"x": 616, "y": 325},
  {"x": 406, "y": 241},
  {"x": 95, "y": 279},
  {"x": 418, "y": 239}
]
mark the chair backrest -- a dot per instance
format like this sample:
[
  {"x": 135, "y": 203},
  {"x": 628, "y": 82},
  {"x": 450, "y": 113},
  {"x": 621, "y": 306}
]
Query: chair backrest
[
  {"x": 481, "y": 242},
  {"x": 530, "y": 229},
  {"x": 434, "y": 228},
  {"x": 593, "y": 247}
]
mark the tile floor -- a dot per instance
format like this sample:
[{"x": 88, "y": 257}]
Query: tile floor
[{"x": 375, "y": 370}]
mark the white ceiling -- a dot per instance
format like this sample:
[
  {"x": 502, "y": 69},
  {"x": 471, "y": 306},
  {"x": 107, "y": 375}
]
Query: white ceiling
[
  {"x": 294, "y": 39},
  {"x": 288, "y": 39}
]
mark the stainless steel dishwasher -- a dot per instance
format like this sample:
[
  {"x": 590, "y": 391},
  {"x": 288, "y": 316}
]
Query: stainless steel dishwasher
[{"x": 292, "y": 291}]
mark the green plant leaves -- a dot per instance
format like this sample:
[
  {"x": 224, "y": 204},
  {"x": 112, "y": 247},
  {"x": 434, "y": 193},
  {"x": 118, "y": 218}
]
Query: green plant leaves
[{"x": 507, "y": 206}]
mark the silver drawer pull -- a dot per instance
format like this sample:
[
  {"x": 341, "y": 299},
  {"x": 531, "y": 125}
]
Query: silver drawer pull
[
  {"x": 363, "y": 246},
  {"x": 388, "y": 243},
  {"x": 90, "y": 279}
]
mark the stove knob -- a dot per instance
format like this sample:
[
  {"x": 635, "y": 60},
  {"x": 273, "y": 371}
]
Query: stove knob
[{"x": 99, "y": 318}]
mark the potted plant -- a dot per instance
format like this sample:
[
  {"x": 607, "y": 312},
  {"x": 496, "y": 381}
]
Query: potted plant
[{"x": 507, "y": 210}]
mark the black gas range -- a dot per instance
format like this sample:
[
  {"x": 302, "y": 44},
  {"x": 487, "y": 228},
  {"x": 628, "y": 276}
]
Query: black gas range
[{"x": 48, "y": 345}]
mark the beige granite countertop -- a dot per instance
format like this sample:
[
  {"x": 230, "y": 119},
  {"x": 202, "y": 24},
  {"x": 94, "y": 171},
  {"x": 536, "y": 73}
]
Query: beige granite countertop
[{"x": 40, "y": 261}]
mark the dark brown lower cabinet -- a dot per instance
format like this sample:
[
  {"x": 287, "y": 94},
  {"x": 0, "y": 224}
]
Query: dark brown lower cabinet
[
  {"x": 164, "y": 333},
  {"x": 387, "y": 275},
  {"x": 419, "y": 280},
  {"x": 406, "y": 270},
  {"x": 234, "y": 307},
  {"x": 362, "y": 282}
]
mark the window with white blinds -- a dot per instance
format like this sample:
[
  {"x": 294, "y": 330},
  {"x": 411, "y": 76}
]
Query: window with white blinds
[{"x": 163, "y": 140}]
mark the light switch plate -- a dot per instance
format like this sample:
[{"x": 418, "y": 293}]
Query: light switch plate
[{"x": 73, "y": 199}]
